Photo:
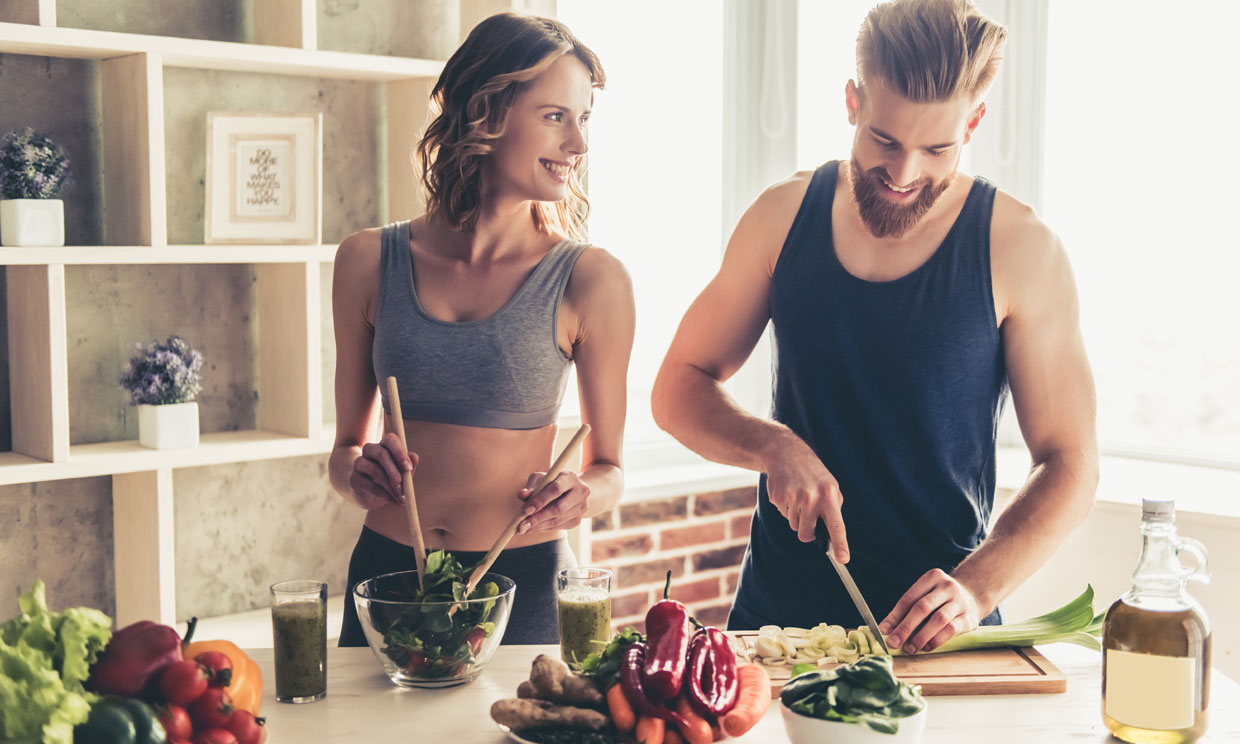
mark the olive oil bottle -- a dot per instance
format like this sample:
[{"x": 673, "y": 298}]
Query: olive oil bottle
[{"x": 1156, "y": 641}]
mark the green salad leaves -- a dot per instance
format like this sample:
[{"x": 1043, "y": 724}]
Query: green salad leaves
[
  {"x": 45, "y": 658},
  {"x": 603, "y": 666},
  {"x": 865, "y": 692},
  {"x": 425, "y": 639}
]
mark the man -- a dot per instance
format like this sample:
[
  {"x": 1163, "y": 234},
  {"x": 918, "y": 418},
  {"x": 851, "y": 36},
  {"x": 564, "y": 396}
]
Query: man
[{"x": 906, "y": 297}]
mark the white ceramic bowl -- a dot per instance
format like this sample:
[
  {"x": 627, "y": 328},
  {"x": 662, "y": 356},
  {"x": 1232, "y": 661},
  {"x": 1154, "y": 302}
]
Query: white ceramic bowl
[{"x": 806, "y": 730}]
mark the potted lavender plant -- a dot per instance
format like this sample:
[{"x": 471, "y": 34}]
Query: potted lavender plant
[
  {"x": 163, "y": 380},
  {"x": 34, "y": 171}
]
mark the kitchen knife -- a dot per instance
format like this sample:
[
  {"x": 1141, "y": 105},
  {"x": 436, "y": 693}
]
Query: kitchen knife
[{"x": 823, "y": 541}]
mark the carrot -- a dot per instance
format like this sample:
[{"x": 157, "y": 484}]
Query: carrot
[
  {"x": 621, "y": 711},
  {"x": 671, "y": 737},
  {"x": 650, "y": 730},
  {"x": 753, "y": 697},
  {"x": 696, "y": 729}
]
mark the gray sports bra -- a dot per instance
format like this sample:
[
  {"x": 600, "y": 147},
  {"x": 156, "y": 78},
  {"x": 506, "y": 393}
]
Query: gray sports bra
[{"x": 505, "y": 371}]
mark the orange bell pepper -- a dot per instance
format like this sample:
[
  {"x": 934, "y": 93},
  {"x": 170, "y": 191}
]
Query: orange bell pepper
[{"x": 246, "y": 688}]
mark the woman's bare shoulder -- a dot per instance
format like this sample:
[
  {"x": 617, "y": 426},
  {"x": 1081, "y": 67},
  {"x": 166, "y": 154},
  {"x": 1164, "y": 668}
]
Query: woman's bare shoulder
[
  {"x": 598, "y": 273},
  {"x": 362, "y": 248},
  {"x": 355, "y": 273}
]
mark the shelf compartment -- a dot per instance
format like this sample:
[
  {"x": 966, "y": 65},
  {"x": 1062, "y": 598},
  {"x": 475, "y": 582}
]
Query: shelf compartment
[
  {"x": 38, "y": 362},
  {"x": 133, "y": 149},
  {"x": 36, "y": 12},
  {"x": 61, "y": 97},
  {"x": 112, "y": 307},
  {"x": 143, "y": 546},
  {"x": 88, "y": 255},
  {"x": 290, "y": 374},
  {"x": 111, "y": 458},
  {"x": 352, "y": 154},
  {"x": 429, "y": 29},
  {"x": 20, "y": 38},
  {"x": 218, "y": 20}
]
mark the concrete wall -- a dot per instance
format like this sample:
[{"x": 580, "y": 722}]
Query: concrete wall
[
  {"x": 220, "y": 20},
  {"x": 427, "y": 29},
  {"x": 238, "y": 527},
  {"x": 60, "y": 532}
]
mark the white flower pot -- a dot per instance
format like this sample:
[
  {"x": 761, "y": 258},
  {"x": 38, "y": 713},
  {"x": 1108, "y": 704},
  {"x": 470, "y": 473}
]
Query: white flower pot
[
  {"x": 32, "y": 222},
  {"x": 168, "y": 426}
]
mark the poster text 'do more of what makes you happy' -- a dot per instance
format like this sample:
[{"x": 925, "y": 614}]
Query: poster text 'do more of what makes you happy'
[{"x": 264, "y": 178}]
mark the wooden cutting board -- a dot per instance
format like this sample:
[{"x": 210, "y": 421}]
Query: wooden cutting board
[{"x": 991, "y": 671}]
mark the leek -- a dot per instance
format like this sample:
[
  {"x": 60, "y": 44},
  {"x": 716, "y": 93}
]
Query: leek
[{"x": 1075, "y": 622}]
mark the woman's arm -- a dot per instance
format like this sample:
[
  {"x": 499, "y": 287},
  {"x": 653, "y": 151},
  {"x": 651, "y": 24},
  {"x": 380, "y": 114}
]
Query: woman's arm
[
  {"x": 366, "y": 474},
  {"x": 600, "y": 298}
]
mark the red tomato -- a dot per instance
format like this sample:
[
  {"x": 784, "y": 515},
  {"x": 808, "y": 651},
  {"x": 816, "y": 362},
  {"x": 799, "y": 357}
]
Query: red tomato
[
  {"x": 176, "y": 722},
  {"x": 212, "y": 710},
  {"x": 417, "y": 662},
  {"x": 247, "y": 728},
  {"x": 215, "y": 736},
  {"x": 475, "y": 638},
  {"x": 218, "y": 665},
  {"x": 183, "y": 681}
]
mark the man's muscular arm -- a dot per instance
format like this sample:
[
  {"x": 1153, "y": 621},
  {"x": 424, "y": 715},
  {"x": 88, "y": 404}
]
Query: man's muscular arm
[
  {"x": 716, "y": 336},
  {"x": 1053, "y": 393}
]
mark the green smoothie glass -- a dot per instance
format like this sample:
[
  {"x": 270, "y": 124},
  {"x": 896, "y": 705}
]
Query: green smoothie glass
[
  {"x": 299, "y": 629},
  {"x": 583, "y": 597}
]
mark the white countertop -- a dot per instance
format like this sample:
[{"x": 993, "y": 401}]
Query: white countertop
[{"x": 363, "y": 705}]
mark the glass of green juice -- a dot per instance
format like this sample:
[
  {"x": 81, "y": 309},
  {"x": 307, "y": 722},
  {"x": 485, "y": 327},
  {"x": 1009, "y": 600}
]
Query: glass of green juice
[
  {"x": 299, "y": 630},
  {"x": 583, "y": 597}
]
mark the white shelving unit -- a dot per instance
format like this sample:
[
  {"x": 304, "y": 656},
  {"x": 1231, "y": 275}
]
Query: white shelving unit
[{"x": 288, "y": 277}]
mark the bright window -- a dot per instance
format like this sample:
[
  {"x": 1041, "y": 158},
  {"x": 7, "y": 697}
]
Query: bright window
[
  {"x": 826, "y": 61},
  {"x": 655, "y": 173},
  {"x": 1140, "y": 183}
]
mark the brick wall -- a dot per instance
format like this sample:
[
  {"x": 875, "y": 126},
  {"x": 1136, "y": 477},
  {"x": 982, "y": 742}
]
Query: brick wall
[{"x": 700, "y": 538}]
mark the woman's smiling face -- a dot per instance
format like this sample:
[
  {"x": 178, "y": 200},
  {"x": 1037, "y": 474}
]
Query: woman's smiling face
[{"x": 545, "y": 134}]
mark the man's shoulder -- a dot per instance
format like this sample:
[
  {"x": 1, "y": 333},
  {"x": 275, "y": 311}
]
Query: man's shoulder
[
  {"x": 787, "y": 194},
  {"x": 1027, "y": 258},
  {"x": 766, "y": 224},
  {"x": 1017, "y": 234}
]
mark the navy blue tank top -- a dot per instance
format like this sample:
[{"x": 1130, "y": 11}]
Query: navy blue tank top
[{"x": 897, "y": 386}]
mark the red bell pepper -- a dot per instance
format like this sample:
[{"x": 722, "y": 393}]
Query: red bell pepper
[
  {"x": 631, "y": 685},
  {"x": 712, "y": 683},
  {"x": 667, "y": 634},
  {"x": 131, "y": 659}
]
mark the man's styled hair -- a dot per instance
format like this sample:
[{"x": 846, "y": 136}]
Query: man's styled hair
[
  {"x": 479, "y": 83},
  {"x": 930, "y": 50}
]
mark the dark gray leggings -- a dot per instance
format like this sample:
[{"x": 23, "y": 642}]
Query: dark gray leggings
[{"x": 533, "y": 568}]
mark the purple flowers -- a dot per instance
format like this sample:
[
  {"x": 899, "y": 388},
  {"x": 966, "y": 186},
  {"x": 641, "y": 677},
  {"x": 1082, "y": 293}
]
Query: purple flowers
[
  {"x": 163, "y": 373},
  {"x": 32, "y": 166}
]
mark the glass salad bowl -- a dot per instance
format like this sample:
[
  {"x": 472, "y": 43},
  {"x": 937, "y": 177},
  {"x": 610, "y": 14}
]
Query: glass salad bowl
[{"x": 424, "y": 643}]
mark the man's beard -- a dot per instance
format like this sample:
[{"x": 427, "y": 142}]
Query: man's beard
[{"x": 883, "y": 218}]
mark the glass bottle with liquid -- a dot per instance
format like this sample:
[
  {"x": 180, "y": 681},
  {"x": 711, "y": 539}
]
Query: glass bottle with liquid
[{"x": 1156, "y": 641}]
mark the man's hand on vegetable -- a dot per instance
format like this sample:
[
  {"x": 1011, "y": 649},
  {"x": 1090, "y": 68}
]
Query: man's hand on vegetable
[
  {"x": 559, "y": 505},
  {"x": 804, "y": 491},
  {"x": 376, "y": 475},
  {"x": 937, "y": 607}
]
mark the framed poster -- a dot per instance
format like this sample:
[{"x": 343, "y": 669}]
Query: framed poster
[{"x": 264, "y": 178}]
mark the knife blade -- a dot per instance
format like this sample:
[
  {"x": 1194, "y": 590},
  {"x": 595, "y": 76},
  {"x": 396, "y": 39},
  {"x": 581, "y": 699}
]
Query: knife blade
[{"x": 823, "y": 540}]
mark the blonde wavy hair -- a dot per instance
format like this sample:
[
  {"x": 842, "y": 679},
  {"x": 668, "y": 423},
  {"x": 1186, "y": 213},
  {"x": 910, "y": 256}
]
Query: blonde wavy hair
[
  {"x": 930, "y": 50},
  {"x": 471, "y": 100}
]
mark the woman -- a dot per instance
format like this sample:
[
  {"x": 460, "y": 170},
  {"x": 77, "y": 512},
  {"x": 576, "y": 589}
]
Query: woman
[{"x": 479, "y": 308}]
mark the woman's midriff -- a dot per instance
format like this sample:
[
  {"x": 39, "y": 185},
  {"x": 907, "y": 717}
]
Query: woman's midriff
[{"x": 466, "y": 484}]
